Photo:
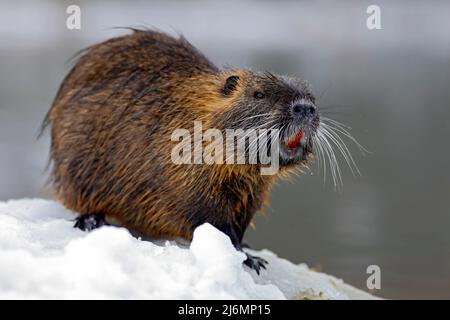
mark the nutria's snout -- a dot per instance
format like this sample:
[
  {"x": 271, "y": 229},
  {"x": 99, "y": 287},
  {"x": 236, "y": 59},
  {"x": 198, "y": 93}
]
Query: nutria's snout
[
  {"x": 303, "y": 111},
  {"x": 296, "y": 136}
]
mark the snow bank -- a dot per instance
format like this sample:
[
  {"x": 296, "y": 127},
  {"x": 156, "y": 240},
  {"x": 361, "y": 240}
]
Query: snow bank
[{"x": 43, "y": 257}]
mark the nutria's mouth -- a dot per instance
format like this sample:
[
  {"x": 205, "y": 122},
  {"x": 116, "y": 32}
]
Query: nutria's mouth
[
  {"x": 296, "y": 139},
  {"x": 296, "y": 146}
]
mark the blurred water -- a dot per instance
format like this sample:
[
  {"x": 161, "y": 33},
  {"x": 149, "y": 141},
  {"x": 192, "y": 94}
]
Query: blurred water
[{"x": 390, "y": 85}]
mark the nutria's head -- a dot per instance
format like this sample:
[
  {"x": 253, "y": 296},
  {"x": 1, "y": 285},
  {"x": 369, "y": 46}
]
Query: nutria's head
[{"x": 265, "y": 100}]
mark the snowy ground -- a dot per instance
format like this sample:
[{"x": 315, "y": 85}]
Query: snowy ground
[{"x": 42, "y": 256}]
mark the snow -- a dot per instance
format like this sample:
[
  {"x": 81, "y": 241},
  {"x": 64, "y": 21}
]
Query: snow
[{"x": 43, "y": 257}]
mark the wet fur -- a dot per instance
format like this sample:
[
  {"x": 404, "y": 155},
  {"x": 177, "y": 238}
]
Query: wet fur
[{"x": 111, "y": 124}]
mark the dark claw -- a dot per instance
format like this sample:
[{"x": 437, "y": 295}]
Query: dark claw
[
  {"x": 255, "y": 263},
  {"x": 89, "y": 222}
]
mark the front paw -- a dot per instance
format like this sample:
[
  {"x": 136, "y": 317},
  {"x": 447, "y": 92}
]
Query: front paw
[
  {"x": 255, "y": 263},
  {"x": 90, "y": 222}
]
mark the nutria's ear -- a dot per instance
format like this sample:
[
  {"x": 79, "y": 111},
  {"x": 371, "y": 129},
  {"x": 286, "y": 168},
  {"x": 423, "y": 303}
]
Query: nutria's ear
[{"x": 230, "y": 85}]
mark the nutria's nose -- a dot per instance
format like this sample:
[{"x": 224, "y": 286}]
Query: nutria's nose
[{"x": 303, "y": 110}]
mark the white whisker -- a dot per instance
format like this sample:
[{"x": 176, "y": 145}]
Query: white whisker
[
  {"x": 331, "y": 134},
  {"x": 337, "y": 140}
]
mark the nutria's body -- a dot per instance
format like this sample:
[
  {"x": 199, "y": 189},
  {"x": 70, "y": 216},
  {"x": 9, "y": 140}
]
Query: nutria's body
[{"x": 111, "y": 124}]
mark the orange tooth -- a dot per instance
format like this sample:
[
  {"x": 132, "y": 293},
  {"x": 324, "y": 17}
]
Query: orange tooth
[{"x": 293, "y": 143}]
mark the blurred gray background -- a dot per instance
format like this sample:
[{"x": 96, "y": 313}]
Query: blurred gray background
[{"x": 392, "y": 86}]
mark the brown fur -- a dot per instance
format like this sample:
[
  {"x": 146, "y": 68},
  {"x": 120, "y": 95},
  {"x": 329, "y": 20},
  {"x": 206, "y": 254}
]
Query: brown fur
[{"x": 111, "y": 124}]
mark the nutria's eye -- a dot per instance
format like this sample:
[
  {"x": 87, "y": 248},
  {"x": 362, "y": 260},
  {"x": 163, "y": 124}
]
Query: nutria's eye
[{"x": 258, "y": 95}]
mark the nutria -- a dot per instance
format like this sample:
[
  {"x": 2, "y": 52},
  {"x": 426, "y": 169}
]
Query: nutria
[{"x": 111, "y": 126}]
